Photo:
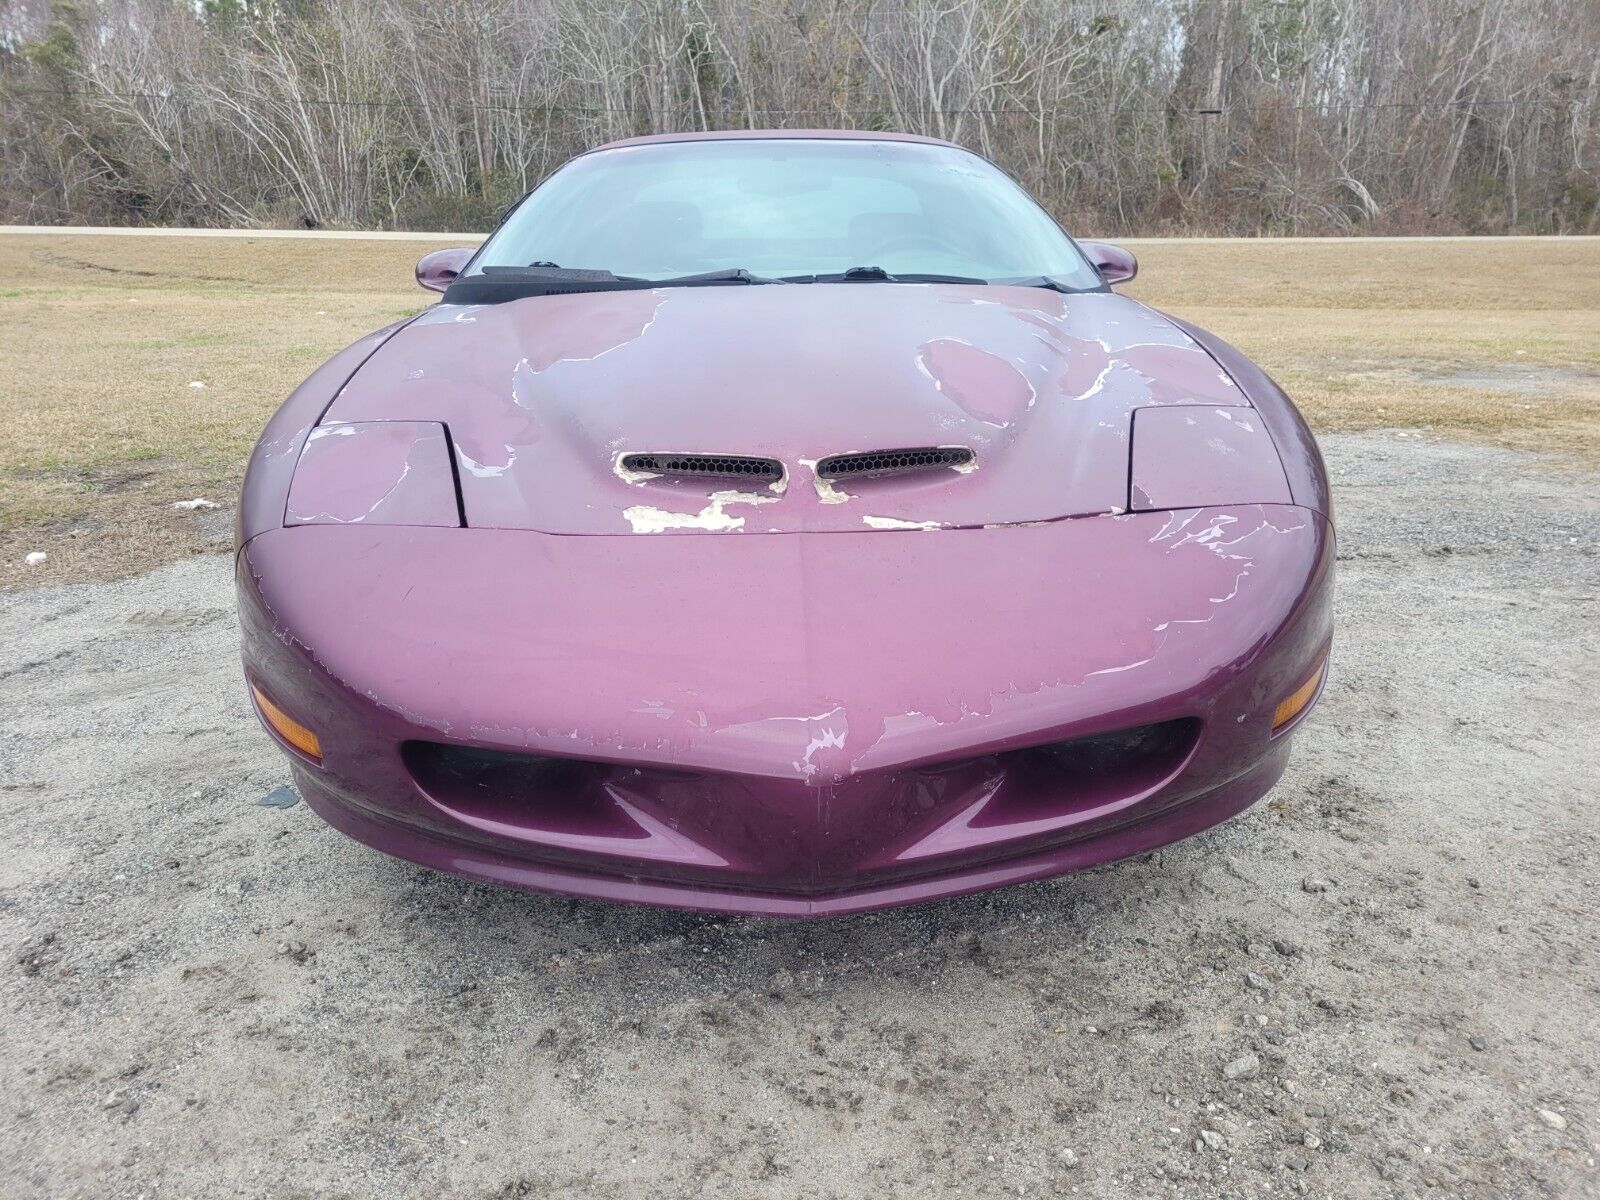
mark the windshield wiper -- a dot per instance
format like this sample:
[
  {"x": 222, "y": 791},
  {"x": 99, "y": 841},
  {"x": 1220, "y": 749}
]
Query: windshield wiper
[
  {"x": 495, "y": 284},
  {"x": 731, "y": 275},
  {"x": 1045, "y": 281},
  {"x": 879, "y": 275}
]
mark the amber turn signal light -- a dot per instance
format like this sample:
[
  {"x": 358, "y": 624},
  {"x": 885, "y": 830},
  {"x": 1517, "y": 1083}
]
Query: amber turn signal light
[
  {"x": 286, "y": 727},
  {"x": 1296, "y": 701}
]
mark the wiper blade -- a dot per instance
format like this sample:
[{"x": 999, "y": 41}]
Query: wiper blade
[
  {"x": 549, "y": 270},
  {"x": 879, "y": 275},
  {"x": 731, "y": 275},
  {"x": 495, "y": 284},
  {"x": 1045, "y": 281}
]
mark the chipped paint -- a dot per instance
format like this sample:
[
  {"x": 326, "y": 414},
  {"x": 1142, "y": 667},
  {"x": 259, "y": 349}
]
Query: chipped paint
[
  {"x": 890, "y": 748},
  {"x": 542, "y": 396},
  {"x": 981, "y": 383},
  {"x": 827, "y": 739},
  {"x": 713, "y": 518},
  {"x": 828, "y": 490},
  {"x": 664, "y": 667},
  {"x": 627, "y": 474},
  {"x": 376, "y": 472}
]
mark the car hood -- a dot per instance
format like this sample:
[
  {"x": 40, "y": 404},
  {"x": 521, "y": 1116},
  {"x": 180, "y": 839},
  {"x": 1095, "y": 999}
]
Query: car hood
[{"x": 543, "y": 397}]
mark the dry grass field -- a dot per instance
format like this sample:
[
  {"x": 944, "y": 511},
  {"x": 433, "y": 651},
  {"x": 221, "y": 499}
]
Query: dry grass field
[{"x": 108, "y": 340}]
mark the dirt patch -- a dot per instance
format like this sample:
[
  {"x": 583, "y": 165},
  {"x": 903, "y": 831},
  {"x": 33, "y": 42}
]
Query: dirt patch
[
  {"x": 1381, "y": 982},
  {"x": 1516, "y": 380}
]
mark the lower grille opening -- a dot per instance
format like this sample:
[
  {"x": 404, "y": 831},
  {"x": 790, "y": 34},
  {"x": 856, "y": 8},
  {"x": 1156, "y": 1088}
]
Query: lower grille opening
[
  {"x": 504, "y": 791},
  {"x": 1090, "y": 773},
  {"x": 706, "y": 466},
  {"x": 1146, "y": 748},
  {"x": 873, "y": 463}
]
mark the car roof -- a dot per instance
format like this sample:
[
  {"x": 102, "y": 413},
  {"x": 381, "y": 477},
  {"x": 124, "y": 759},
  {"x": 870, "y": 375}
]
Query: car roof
[{"x": 723, "y": 135}]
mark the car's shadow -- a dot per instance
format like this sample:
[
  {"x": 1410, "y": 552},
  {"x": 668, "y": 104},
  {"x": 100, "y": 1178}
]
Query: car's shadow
[{"x": 617, "y": 953}]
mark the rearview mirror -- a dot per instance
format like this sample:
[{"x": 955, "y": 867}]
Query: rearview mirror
[
  {"x": 1115, "y": 264},
  {"x": 436, "y": 271}
]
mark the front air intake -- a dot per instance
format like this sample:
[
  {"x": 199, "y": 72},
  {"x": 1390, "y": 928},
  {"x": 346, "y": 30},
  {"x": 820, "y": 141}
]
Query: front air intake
[
  {"x": 706, "y": 466},
  {"x": 872, "y": 463}
]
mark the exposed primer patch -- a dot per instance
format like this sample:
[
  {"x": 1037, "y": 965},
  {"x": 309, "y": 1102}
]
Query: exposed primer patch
[
  {"x": 713, "y": 518},
  {"x": 627, "y": 474},
  {"x": 897, "y": 523},
  {"x": 1099, "y": 381},
  {"x": 523, "y": 385},
  {"x": 827, "y": 489},
  {"x": 449, "y": 314},
  {"x": 482, "y": 470},
  {"x": 827, "y": 738},
  {"x": 1237, "y": 416}
]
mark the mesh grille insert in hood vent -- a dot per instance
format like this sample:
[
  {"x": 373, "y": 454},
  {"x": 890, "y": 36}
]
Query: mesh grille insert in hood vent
[
  {"x": 892, "y": 462},
  {"x": 706, "y": 466}
]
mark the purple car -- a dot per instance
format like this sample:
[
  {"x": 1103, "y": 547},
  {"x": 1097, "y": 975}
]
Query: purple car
[{"x": 786, "y": 523}]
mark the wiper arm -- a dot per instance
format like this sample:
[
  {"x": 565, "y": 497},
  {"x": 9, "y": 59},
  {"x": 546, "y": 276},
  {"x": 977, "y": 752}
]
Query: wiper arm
[
  {"x": 541, "y": 270},
  {"x": 495, "y": 284},
  {"x": 730, "y": 275},
  {"x": 549, "y": 271},
  {"x": 879, "y": 275},
  {"x": 1049, "y": 282}
]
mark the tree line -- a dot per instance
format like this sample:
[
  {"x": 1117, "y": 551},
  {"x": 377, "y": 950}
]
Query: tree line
[{"x": 1122, "y": 116}]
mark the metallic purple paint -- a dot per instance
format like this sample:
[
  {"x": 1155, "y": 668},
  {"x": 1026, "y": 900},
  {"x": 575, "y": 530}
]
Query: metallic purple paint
[
  {"x": 391, "y": 472},
  {"x": 543, "y": 398},
  {"x": 1115, "y": 263},
  {"x": 438, "y": 270},
  {"x": 1190, "y": 456},
  {"x": 807, "y": 707}
]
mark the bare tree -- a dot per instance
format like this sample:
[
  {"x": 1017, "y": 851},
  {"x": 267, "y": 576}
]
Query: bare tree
[{"x": 1122, "y": 115}]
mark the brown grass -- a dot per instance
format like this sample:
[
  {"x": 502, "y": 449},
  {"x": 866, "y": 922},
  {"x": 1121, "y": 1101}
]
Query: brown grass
[
  {"x": 1491, "y": 339},
  {"x": 103, "y": 336}
]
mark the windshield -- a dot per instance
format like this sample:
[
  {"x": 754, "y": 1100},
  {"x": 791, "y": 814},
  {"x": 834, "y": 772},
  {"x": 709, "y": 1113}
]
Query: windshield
[{"x": 782, "y": 207}]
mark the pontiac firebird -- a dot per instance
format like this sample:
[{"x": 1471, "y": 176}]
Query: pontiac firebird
[{"x": 783, "y": 523}]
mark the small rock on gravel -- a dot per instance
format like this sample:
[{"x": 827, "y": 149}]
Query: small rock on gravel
[
  {"x": 1553, "y": 1119},
  {"x": 280, "y": 797},
  {"x": 1247, "y": 1066}
]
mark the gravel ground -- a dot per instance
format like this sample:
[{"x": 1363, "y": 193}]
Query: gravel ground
[{"x": 1382, "y": 979}]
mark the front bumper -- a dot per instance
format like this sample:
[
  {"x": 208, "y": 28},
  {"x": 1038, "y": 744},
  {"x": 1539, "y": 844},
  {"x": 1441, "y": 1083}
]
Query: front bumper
[{"x": 797, "y": 725}]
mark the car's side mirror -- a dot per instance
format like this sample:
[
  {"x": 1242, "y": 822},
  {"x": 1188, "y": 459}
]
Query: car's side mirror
[
  {"x": 436, "y": 271},
  {"x": 1115, "y": 264}
]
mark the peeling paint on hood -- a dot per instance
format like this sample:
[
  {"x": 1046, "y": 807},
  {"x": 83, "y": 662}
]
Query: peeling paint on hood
[{"x": 542, "y": 396}]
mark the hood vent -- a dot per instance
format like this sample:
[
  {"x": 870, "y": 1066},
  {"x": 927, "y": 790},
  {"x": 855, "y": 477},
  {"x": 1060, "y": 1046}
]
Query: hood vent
[
  {"x": 706, "y": 466},
  {"x": 872, "y": 463}
]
